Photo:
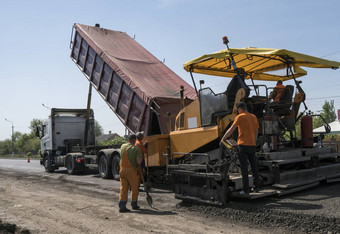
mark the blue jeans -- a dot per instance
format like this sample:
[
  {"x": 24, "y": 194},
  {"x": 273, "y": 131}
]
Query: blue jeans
[{"x": 245, "y": 154}]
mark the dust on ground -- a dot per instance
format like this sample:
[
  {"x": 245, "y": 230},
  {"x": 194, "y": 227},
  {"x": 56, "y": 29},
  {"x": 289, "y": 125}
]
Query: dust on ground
[{"x": 35, "y": 204}]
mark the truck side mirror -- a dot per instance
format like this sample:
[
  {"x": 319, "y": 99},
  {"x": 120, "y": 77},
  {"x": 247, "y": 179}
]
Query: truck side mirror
[{"x": 37, "y": 132}]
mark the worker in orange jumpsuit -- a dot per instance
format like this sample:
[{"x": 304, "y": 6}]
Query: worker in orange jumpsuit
[
  {"x": 140, "y": 144},
  {"x": 277, "y": 92},
  {"x": 247, "y": 125},
  {"x": 130, "y": 159}
]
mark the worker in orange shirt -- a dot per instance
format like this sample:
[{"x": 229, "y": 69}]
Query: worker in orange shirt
[
  {"x": 140, "y": 144},
  {"x": 130, "y": 158},
  {"x": 247, "y": 125},
  {"x": 277, "y": 92}
]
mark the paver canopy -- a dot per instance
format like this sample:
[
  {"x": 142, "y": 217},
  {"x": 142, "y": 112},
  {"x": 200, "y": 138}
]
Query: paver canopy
[{"x": 258, "y": 63}]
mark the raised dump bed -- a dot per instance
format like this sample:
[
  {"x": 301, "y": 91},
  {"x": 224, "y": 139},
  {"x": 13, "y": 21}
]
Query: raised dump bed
[{"x": 142, "y": 91}]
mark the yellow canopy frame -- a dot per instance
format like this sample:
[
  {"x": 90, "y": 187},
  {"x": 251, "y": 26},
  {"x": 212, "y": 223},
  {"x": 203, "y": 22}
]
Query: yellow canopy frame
[{"x": 258, "y": 63}]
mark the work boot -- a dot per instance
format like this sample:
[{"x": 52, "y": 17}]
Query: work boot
[
  {"x": 122, "y": 207},
  {"x": 123, "y": 210},
  {"x": 134, "y": 205}
]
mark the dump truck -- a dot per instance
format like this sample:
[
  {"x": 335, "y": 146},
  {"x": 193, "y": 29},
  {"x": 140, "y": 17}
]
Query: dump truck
[
  {"x": 143, "y": 92},
  {"x": 184, "y": 126}
]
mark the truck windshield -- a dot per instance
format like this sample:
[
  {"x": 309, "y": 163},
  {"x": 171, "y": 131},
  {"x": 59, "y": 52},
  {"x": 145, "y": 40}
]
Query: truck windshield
[{"x": 212, "y": 105}]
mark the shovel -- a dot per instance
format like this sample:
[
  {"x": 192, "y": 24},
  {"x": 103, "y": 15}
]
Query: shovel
[{"x": 148, "y": 197}]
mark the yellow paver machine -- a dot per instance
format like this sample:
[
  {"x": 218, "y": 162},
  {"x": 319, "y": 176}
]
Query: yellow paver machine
[{"x": 286, "y": 163}]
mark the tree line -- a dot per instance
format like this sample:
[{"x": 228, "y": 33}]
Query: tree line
[
  {"x": 328, "y": 114},
  {"x": 28, "y": 142},
  {"x": 22, "y": 142}
]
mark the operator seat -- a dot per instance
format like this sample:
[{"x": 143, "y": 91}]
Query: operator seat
[
  {"x": 282, "y": 107},
  {"x": 235, "y": 84}
]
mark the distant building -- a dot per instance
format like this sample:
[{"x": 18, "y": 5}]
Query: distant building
[{"x": 107, "y": 137}]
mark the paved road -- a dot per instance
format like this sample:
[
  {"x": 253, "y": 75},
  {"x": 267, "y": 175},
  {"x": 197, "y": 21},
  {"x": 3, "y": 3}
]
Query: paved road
[
  {"x": 35, "y": 168},
  {"x": 21, "y": 165}
]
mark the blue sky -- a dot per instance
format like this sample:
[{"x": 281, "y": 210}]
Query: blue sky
[{"x": 35, "y": 64}]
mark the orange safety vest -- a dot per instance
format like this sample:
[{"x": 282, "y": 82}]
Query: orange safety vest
[
  {"x": 280, "y": 89},
  {"x": 140, "y": 145}
]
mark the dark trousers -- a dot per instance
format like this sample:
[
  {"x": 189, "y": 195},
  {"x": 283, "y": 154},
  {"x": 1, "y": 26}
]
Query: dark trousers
[{"x": 247, "y": 153}]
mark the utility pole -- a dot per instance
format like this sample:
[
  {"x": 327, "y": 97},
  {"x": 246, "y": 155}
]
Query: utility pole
[{"x": 12, "y": 136}]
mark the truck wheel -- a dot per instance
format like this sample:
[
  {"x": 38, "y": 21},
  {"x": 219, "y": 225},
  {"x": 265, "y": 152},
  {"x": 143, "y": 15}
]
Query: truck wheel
[
  {"x": 70, "y": 165},
  {"x": 47, "y": 164},
  {"x": 116, "y": 166},
  {"x": 104, "y": 167}
]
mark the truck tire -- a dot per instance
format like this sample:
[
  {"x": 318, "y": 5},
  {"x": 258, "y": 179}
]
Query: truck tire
[
  {"x": 115, "y": 166},
  {"x": 104, "y": 167},
  {"x": 70, "y": 165},
  {"x": 47, "y": 164}
]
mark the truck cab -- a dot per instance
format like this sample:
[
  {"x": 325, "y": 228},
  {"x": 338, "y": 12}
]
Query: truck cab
[{"x": 63, "y": 133}]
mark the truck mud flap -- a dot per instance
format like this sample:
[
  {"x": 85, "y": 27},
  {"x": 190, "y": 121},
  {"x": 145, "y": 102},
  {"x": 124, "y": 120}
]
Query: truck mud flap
[{"x": 199, "y": 187}]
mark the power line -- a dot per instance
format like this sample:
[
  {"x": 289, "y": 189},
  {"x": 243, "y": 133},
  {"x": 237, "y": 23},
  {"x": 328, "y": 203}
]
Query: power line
[
  {"x": 330, "y": 54},
  {"x": 322, "y": 97}
]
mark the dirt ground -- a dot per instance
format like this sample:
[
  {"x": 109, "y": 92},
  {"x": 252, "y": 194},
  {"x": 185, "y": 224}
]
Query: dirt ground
[{"x": 36, "y": 204}]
